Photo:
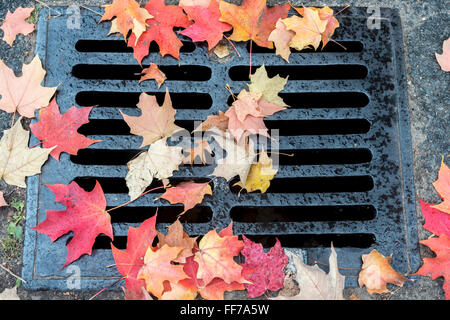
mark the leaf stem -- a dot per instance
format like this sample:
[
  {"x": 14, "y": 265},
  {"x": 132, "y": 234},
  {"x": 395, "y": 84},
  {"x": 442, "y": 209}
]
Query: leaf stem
[
  {"x": 107, "y": 287},
  {"x": 11, "y": 273},
  {"x": 126, "y": 203},
  {"x": 232, "y": 44}
]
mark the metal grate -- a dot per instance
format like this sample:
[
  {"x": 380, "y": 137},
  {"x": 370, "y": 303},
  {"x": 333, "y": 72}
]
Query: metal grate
[{"x": 349, "y": 182}]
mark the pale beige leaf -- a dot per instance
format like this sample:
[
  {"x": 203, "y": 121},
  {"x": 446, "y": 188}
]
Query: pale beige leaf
[
  {"x": 17, "y": 161},
  {"x": 9, "y": 294},
  {"x": 2, "y": 200},
  {"x": 281, "y": 38},
  {"x": 24, "y": 94},
  {"x": 15, "y": 24},
  {"x": 158, "y": 162},
  {"x": 269, "y": 87},
  {"x": 200, "y": 3}
]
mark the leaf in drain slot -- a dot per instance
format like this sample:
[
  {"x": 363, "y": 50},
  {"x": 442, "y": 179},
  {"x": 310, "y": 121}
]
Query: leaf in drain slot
[
  {"x": 129, "y": 261},
  {"x": 153, "y": 72},
  {"x": 269, "y": 87},
  {"x": 17, "y": 161},
  {"x": 377, "y": 272},
  {"x": 207, "y": 26},
  {"x": 85, "y": 215},
  {"x": 188, "y": 193},
  {"x": 15, "y": 24},
  {"x": 260, "y": 174},
  {"x": 176, "y": 237},
  {"x": 442, "y": 186},
  {"x": 155, "y": 122},
  {"x": 24, "y": 94},
  {"x": 315, "y": 284},
  {"x": 281, "y": 38},
  {"x": 158, "y": 268},
  {"x": 60, "y": 130},
  {"x": 129, "y": 16},
  {"x": 160, "y": 30},
  {"x": 158, "y": 162},
  {"x": 438, "y": 266},
  {"x": 253, "y": 20},
  {"x": 219, "y": 121},
  {"x": 263, "y": 270},
  {"x": 199, "y": 151}
]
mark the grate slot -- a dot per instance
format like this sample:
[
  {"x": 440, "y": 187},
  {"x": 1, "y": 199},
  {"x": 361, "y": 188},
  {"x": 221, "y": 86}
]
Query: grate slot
[
  {"x": 133, "y": 72},
  {"x": 314, "y": 184},
  {"x": 345, "y": 46},
  {"x": 120, "y": 46},
  {"x": 305, "y": 72},
  {"x": 323, "y": 156},
  {"x": 180, "y": 100},
  {"x": 318, "y": 127}
]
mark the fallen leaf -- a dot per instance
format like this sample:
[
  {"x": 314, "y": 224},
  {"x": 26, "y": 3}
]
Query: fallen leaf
[
  {"x": 315, "y": 284},
  {"x": 24, "y": 94},
  {"x": 15, "y": 24},
  {"x": 158, "y": 162},
  {"x": 17, "y": 161},
  {"x": 129, "y": 261},
  {"x": 263, "y": 270},
  {"x": 281, "y": 38},
  {"x": 201, "y": 3},
  {"x": 199, "y": 151},
  {"x": 176, "y": 237},
  {"x": 160, "y": 30},
  {"x": 444, "y": 58},
  {"x": 442, "y": 186},
  {"x": 207, "y": 26},
  {"x": 141, "y": 294},
  {"x": 2, "y": 200},
  {"x": 158, "y": 268},
  {"x": 9, "y": 294},
  {"x": 438, "y": 266},
  {"x": 129, "y": 16},
  {"x": 252, "y": 103},
  {"x": 187, "y": 193},
  {"x": 85, "y": 215},
  {"x": 60, "y": 130},
  {"x": 308, "y": 30},
  {"x": 250, "y": 125},
  {"x": 269, "y": 87},
  {"x": 222, "y": 50},
  {"x": 155, "y": 122},
  {"x": 260, "y": 174},
  {"x": 436, "y": 221},
  {"x": 153, "y": 72},
  {"x": 253, "y": 20},
  {"x": 179, "y": 292},
  {"x": 219, "y": 121},
  {"x": 353, "y": 297},
  {"x": 376, "y": 272}
]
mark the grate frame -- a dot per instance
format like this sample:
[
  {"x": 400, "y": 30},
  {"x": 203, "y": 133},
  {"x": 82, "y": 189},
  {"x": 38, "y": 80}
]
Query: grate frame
[{"x": 388, "y": 139}]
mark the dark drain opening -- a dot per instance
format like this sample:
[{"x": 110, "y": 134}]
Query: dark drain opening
[
  {"x": 118, "y": 185},
  {"x": 349, "y": 46},
  {"x": 318, "y": 127},
  {"x": 180, "y": 100},
  {"x": 306, "y": 72},
  {"x": 314, "y": 184},
  {"x": 303, "y": 213},
  {"x": 307, "y": 100},
  {"x": 133, "y": 72},
  {"x": 121, "y": 46},
  {"x": 355, "y": 240},
  {"x": 323, "y": 156}
]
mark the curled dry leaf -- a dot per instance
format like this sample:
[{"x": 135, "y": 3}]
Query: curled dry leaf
[
  {"x": 15, "y": 24},
  {"x": 17, "y": 161},
  {"x": 315, "y": 284},
  {"x": 153, "y": 72},
  {"x": 24, "y": 94},
  {"x": 444, "y": 58},
  {"x": 187, "y": 193},
  {"x": 376, "y": 272},
  {"x": 219, "y": 121}
]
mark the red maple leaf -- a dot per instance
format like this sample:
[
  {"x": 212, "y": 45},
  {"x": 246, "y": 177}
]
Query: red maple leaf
[
  {"x": 130, "y": 261},
  {"x": 440, "y": 265},
  {"x": 265, "y": 271},
  {"x": 85, "y": 215},
  {"x": 436, "y": 221},
  {"x": 160, "y": 30},
  {"x": 207, "y": 26},
  {"x": 60, "y": 130}
]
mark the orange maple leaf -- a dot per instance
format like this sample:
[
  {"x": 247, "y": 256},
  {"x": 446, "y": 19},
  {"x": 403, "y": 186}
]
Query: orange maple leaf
[
  {"x": 176, "y": 237},
  {"x": 198, "y": 151},
  {"x": 219, "y": 121},
  {"x": 15, "y": 24},
  {"x": 442, "y": 186},
  {"x": 188, "y": 193},
  {"x": 153, "y": 72}
]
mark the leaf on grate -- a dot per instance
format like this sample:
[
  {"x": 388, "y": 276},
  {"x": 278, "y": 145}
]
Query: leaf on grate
[
  {"x": 268, "y": 87},
  {"x": 281, "y": 38},
  {"x": 199, "y": 151},
  {"x": 129, "y": 16},
  {"x": 15, "y": 24},
  {"x": 130, "y": 261},
  {"x": 85, "y": 215},
  {"x": 200, "y": 3},
  {"x": 436, "y": 221},
  {"x": 160, "y": 30},
  {"x": 442, "y": 186},
  {"x": 176, "y": 237},
  {"x": 24, "y": 94},
  {"x": 153, "y": 72},
  {"x": 315, "y": 284},
  {"x": 158, "y": 162},
  {"x": 263, "y": 270},
  {"x": 2, "y": 200},
  {"x": 17, "y": 161},
  {"x": 376, "y": 272},
  {"x": 155, "y": 122},
  {"x": 438, "y": 266},
  {"x": 187, "y": 193},
  {"x": 207, "y": 26},
  {"x": 219, "y": 121},
  {"x": 60, "y": 130},
  {"x": 444, "y": 58}
]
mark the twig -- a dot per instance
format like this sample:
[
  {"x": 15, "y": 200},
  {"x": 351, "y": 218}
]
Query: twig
[
  {"x": 11, "y": 273},
  {"x": 107, "y": 287},
  {"x": 46, "y": 5},
  {"x": 96, "y": 12}
]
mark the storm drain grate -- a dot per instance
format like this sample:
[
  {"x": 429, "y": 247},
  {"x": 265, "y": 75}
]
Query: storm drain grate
[{"x": 349, "y": 182}]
